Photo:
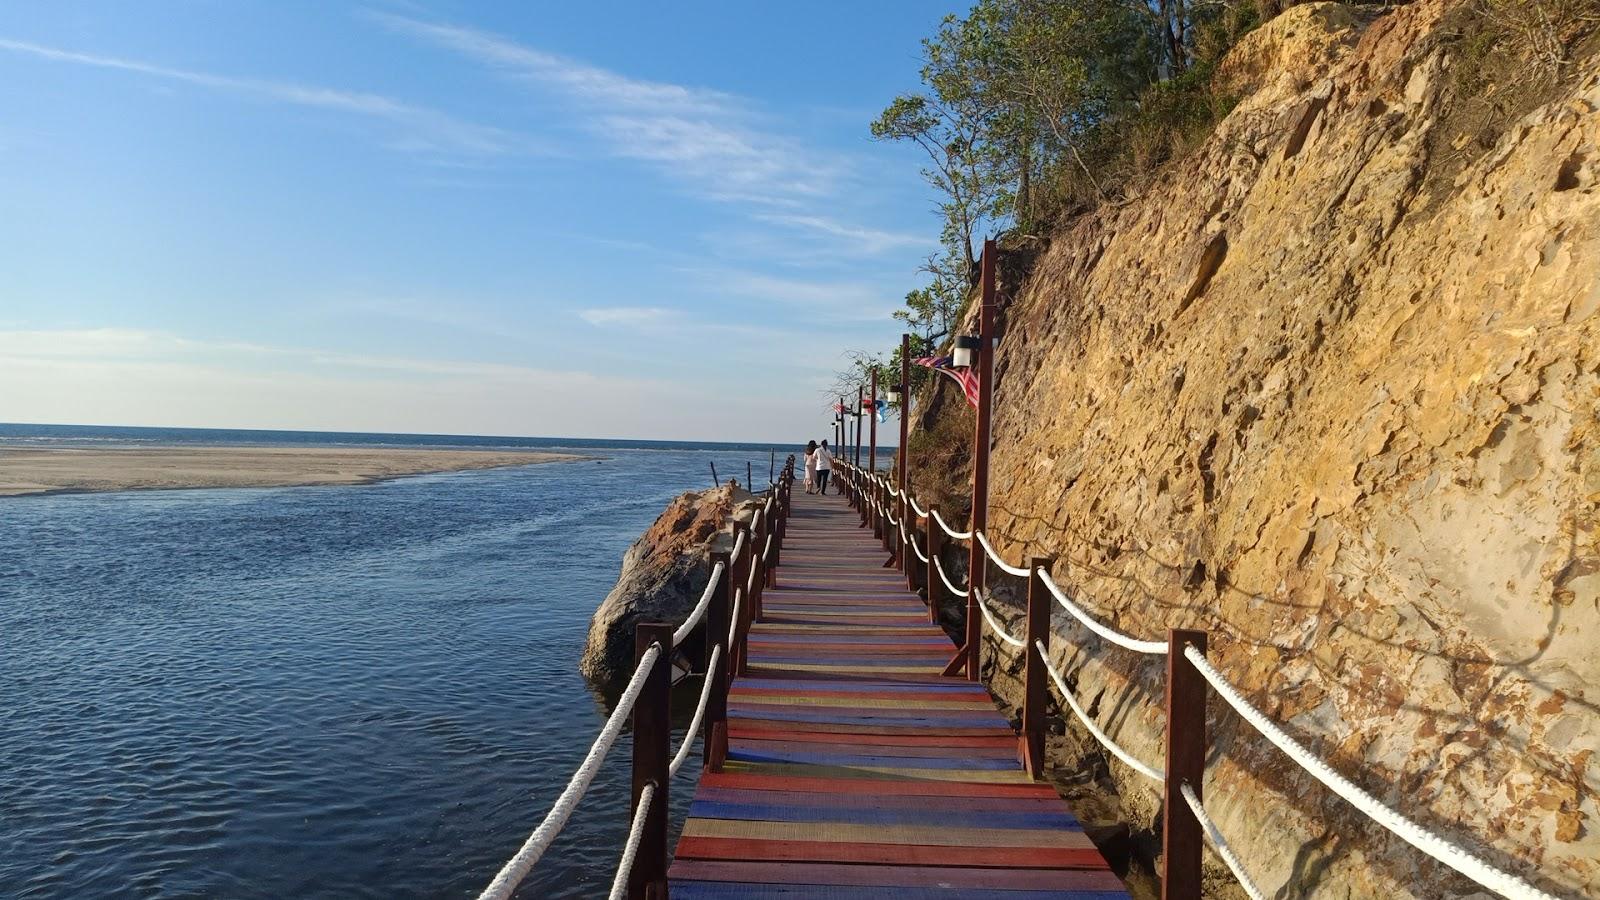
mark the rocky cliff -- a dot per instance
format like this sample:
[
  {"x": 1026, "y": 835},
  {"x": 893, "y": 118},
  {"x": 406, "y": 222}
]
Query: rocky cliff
[{"x": 1330, "y": 389}]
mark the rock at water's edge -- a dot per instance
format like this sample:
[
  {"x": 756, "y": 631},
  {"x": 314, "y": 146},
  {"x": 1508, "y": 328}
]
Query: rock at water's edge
[{"x": 663, "y": 575}]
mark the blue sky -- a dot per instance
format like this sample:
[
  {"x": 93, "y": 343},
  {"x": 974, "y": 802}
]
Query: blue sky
[{"x": 661, "y": 220}]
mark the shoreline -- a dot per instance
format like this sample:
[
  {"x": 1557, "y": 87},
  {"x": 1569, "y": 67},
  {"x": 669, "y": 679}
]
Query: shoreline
[{"x": 39, "y": 472}]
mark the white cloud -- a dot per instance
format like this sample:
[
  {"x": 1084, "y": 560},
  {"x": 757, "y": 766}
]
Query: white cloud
[
  {"x": 869, "y": 241},
  {"x": 831, "y": 301},
  {"x": 427, "y": 130},
  {"x": 140, "y": 377},
  {"x": 627, "y": 316},
  {"x": 706, "y": 138}
]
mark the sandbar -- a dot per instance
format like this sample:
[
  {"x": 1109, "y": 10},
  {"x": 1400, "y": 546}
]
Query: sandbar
[{"x": 76, "y": 470}]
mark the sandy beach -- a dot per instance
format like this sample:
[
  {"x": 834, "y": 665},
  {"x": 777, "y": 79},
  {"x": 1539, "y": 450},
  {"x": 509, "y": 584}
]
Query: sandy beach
[{"x": 58, "y": 470}]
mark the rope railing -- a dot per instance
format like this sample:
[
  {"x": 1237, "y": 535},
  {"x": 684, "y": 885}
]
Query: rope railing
[
  {"x": 997, "y": 559},
  {"x": 647, "y": 699},
  {"x": 693, "y": 731},
  {"x": 913, "y": 545},
  {"x": 957, "y": 535},
  {"x": 1154, "y": 648},
  {"x": 1105, "y": 740},
  {"x": 1219, "y": 843},
  {"x": 995, "y": 624},
  {"x": 630, "y": 850},
  {"x": 538, "y": 842},
  {"x": 699, "y": 611},
  {"x": 939, "y": 567},
  {"x": 1428, "y": 842}
]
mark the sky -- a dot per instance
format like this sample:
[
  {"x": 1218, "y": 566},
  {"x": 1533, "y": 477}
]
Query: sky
[{"x": 627, "y": 220}]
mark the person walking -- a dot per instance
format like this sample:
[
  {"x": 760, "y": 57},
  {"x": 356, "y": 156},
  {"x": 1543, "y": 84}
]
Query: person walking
[
  {"x": 811, "y": 467},
  {"x": 824, "y": 467}
]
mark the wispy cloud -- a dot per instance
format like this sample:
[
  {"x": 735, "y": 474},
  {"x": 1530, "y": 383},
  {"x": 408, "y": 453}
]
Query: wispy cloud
[
  {"x": 426, "y": 130},
  {"x": 863, "y": 240},
  {"x": 823, "y": 301},
  {"x": 705, "y": 138},
  {"x": 627, "y": 316}
]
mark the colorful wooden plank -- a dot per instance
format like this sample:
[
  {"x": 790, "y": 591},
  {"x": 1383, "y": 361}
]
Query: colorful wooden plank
[{"x": 855, "y": 768}]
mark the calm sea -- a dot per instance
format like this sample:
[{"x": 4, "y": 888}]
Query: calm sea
[{"x": 363, "y": 691}]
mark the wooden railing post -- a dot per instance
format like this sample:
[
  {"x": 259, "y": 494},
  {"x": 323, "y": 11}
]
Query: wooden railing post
[
  {"x": 742, "y": 571},
  {"x": 974, "y": 629},
  {"x": 1034, "y": 687},
  {"x": 758, "y": 561},
  {"x": 935, "y": 546},
  {"x": 715, "y": 747},
  {"x": 652, "y": 742},
  {"x": 1186, "y": 762}
]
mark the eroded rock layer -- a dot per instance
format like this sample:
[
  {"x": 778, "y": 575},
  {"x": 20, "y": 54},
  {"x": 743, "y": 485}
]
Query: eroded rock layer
[{"x": 1330, "y": 390}]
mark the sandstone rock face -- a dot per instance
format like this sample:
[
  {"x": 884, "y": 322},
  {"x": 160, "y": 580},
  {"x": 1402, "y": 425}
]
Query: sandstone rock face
[
  {"x": 663, "y": 575},
  {"x": 1330, "y": 390}
]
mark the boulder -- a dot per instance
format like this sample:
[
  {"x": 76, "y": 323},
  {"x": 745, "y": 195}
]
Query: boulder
[{"x": 663, "y": 575}]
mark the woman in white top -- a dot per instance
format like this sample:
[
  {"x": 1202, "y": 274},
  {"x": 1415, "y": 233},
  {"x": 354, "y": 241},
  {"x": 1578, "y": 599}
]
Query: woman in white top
[
  {"x": 824, "y": 467},
  {"x": 811, "y": 467}
]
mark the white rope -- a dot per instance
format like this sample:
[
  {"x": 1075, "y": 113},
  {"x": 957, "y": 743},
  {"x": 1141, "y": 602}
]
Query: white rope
[
  {"x": 766, "y": 553},
  {"x": 619, "y": 885},
  {"x": 1407, "y": 830},
  {"x": 1105, "y": 739},
  {"x": 699, "y": 611},
  {"x": 998, "y": 560},
  {"x": 919, "y": 510},
  {"x": 946, "y": 578},
  {"x": 522, "y": 862},
  {"x": 738, "y": 548},
  {"x": 1219, "y": 843},
  {"x": 733, "y": 623},
  {"x": 699, "y": 710},
  {"x": 999, "y": 629},
  {"x": 906, "y": 539},
  {"x": 958, "y": 535},
  {"x": 1157, "y": 648}
]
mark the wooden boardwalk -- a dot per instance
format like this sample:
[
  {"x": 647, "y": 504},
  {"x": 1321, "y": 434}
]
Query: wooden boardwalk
[{"x": 854, "y": 770}]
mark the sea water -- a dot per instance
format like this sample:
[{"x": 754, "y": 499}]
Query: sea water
[{"x": 363, "y": 691}]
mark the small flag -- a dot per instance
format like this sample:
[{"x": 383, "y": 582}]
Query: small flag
[{"x": 965, "y": 377}]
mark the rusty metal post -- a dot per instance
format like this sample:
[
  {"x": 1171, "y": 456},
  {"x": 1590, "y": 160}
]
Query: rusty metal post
[
  {"x": 652, "y": 743},
  {"x": 902, "y": 453},
  {"x": 715, "y": 748},
  {"x": 1034, "y": 686},
  {"x": 1181, "y": 837},
  {"x": 977, "y": 570},
  {"x": 872, "y": 425},
  {"x": 935, "y": 538}
]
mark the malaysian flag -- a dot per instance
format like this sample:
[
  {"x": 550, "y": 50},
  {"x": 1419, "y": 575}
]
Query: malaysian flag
[{"x": 965, "y": 377}]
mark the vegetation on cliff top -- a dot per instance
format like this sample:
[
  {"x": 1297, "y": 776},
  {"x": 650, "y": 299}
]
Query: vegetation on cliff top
[{"x": 1033, "y": 111}]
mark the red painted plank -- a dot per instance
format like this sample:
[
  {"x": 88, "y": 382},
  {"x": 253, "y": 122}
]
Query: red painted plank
[
  {"x": 709, "y": 848},
  {"x": 743, "y": 780},
  {"x": 896, "y": 876}
]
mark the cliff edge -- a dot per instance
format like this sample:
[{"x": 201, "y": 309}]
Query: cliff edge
[{"x": 1329, "y": 389}]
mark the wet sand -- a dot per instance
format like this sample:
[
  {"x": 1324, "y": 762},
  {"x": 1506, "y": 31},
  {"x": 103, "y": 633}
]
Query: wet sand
[{"x": 61, "y": 470}]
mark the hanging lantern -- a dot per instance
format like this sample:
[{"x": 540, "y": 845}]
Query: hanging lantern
[
  {"x": 964, "y": 354},
  {"x": 895, "y": 393}
]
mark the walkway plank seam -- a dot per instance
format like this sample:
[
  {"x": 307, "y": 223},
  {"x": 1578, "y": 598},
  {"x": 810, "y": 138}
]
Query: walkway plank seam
[{"x": 854, "y": 767}]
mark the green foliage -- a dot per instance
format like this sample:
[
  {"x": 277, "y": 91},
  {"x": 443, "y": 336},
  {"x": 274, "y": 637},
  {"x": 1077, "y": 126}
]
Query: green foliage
[{"x": 1032, "y": 110}]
